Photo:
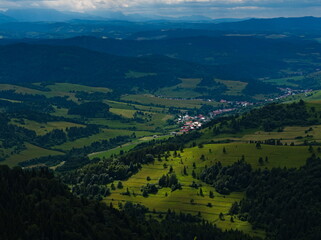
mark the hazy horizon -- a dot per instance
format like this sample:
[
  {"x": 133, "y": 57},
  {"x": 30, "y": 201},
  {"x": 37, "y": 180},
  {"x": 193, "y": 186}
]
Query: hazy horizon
[{"x": 214, "y": 9}]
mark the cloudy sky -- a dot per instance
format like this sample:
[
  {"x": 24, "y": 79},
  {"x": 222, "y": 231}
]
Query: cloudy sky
[{"x": 211, "y": 8}]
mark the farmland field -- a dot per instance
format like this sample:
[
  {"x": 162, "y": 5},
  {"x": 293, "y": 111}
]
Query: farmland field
[{"x": 152, "y": 120}]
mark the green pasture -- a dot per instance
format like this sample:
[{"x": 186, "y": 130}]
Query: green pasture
[
  {"x": 183, "y": 90},
  {"x": 178, "y": 103},
  {"x": 180, "y": 200},
  {"x": 296, "y": 134},
  {"x": 288, "y": 81},
  {"x": 127, "y": 113},
  {"x": 20, "y": 89},
  {"x": 31, "y": 152},
  {"x": 131, "y": 106},
  {"x": 125, "y": 148},
  {"x": 69, "y": 87},
  {"x": 314, "y": 97},
  {"x": 234, "y": 87},
  {"x": 105, "y": 134},
  {"x": 43, "y": 128},
  {"x": 278, "y": 156}
]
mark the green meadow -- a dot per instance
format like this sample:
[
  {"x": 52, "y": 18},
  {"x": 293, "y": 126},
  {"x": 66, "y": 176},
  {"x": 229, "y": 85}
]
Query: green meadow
[
  {"x": 186, "y": 89},
  {"x": 234, "y": 87},
  {"x": 43, "y": 128},
  {"x": 125, "y": 148},
  {"x": 31, "y": 152},
  {"x": 188, "y": 199},
  {"x": 288, "y": 81},
  {"x": 178, "y": 103},
  {"x": 105, "y": 134},
  {"x": 20, "y": 89}
]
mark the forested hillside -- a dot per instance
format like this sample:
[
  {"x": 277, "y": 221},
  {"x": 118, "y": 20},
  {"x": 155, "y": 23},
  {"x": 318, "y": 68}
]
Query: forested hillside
[
  {"x": 24, "y": 63},
  {"x": 200, "y": 173},
  {"x": 35, "y": 205}
]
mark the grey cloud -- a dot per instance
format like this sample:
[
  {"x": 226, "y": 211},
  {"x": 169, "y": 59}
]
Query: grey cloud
[{"x": 213, "y": 8}]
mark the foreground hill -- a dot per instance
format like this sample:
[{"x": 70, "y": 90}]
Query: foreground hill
[
  {"x": 35, "y": 205},
  {"x": 207, "y": 171}
]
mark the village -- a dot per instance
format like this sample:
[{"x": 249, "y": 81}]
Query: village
[{"x": 188, "y": 123}]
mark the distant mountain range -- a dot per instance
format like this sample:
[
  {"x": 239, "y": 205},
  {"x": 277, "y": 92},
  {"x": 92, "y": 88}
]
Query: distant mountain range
[
  {"x": 51, "y": 15},
  {"x": 233, "y": 57},
  {"x": 28, "y": 63},
  {"x": 47, "y": 23},
  {"x": 301, "y": 24}
]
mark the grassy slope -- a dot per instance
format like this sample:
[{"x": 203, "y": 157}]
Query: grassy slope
[
  {"x": 43, "y": 128},
  {"x": 234, "y": 87},
  {"x": 125, "y": 148},
  {"x": 20, "y": 89},
  {"x": 179, "y": 200},
  {"x": 31, "y": 152},
  {"x": 183, "y": 90},
  {"x": 105, "y": 134},
  {"x": 288, "y": 81}
]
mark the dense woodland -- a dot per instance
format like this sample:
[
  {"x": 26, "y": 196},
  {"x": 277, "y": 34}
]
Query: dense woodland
[
  {"x": 35, "y": 205},
  {"x": 269, "y": 118},
  {"x": 285, "y": 202}
]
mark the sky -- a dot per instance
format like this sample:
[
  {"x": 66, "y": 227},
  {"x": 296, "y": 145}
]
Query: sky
[{"x": 209, "y": 8}]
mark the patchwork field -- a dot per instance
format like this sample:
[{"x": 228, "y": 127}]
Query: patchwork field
[{"x": 152, "y": 121}]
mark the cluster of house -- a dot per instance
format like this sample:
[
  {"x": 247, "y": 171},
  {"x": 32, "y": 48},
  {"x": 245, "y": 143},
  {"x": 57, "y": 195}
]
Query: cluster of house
[
  {"x": 237, "y": 103},
  {"x": 191, "y": 122},
  {"x": 289, "y": 92}
]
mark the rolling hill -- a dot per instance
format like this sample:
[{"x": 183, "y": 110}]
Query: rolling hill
[{"x": 26, "y": 63}]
